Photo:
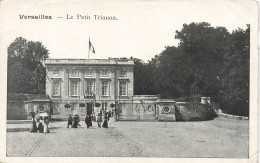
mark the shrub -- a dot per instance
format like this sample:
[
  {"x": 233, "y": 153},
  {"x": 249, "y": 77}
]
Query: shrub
[
  {"x": 67, "y": 106},
  {"x": 192, "y": 98},
  {"x": 82, "y": 105},
  {"x": 16, "y": 97}
]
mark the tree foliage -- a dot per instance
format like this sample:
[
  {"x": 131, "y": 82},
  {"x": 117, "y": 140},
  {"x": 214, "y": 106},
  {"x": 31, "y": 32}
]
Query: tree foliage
[
  {"x": 26, "y": 73},
  {"x": 209, "y": 61}
]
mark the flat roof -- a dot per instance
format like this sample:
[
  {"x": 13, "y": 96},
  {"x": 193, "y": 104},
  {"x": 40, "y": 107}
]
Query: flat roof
[{"x": 110, "y": 61}]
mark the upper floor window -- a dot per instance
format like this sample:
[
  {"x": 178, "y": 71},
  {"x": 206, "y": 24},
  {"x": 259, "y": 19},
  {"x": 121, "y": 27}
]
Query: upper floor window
[
  {"x": 74, "y": 88},
  {"x": 105, "y": 88},
  {"x": 122, "y": 88},
  {"x": 89, "y": 90},
  {"x": 104, "y": 72},
  {"x": 56, "y": 88},
  {"x": 56, "y": 72},
  {"x": 74, "y": 73}
]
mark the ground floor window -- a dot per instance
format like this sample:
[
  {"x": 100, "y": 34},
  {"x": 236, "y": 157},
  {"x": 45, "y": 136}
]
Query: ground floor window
[
  {"x": 104, "y": 106},
  {"x": 30, "y": 107},
  {"x": 74, "y": 106}
]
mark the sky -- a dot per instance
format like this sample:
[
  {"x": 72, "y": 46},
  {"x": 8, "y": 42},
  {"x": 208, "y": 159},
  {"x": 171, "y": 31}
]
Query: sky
[{"x": 142, "y": 30}]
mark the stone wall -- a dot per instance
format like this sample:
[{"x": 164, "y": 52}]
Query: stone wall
[
  {"x": 20, "y": 110},
  {"x": 16, "y": 111},
  {"x": 194, "y": 111}
]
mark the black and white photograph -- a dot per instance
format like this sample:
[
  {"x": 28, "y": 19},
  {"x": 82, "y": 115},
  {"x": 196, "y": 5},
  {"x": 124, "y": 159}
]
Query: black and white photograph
[{"x": 129, "y": 80}]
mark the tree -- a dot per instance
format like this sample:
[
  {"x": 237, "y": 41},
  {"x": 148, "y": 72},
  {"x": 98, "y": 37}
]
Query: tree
[
  {"x": 18, "y": 79},
  {"x": 203, "y": 48},
  {"x": 29, "y": 53},
  {"x": 235, "y": 76},
  {"x": 209, "y": 61},
  {"x": 139, "y": 77},
  {"x": 38, "y": 80},
  {"x": 26, "y": 55}
]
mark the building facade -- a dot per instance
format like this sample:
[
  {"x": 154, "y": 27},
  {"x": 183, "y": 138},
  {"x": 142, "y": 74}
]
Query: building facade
[{"x": 75, "y": 85}]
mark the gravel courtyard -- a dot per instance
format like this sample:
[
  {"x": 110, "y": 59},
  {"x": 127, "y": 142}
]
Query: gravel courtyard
[{"x": 228, "y": 138}]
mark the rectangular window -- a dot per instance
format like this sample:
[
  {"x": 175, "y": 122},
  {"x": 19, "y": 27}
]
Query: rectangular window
[
  {"x": 74, "y": 108},
  {"x": 122, "y": 88},
  {"x": 56, "y": 72},
  {"x": 89, "y": 72},
  {"x": 74, "y": 88},
  {"x": 56, "y": 88},
  {"x": 105, "y": 88},
  {"x": 104, "y": 106},
  {"x": 89, "y": 88},
  {"x": 30, "y": 107},
  {"x": 74, "y": 73},
  {"x": 104, "y": 73}
]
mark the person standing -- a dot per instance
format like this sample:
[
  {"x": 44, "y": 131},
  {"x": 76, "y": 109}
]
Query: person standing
[
  {"x": 40, "y": 126},
  {"x": 69, "y": 120},
  {"x": 78, "y": 119},
  {"x": 45, "y": 124},
  {"x": 105, "y": 123},
  {"x": 99, "y": 120},
  {"x": 33, "y": 126},
  {"x": 88, "y": 120},
  {"x": 91, "y": 119},
  {"x": 109, "y": 114},
  {"x": 74, "y": 122}
]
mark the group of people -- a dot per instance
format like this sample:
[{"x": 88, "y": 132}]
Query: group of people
[
  {"x": 104, "y": 119},
  {"x": 100, "y": 118},
  {"x": 40, "y": 124},
  {"x": 73, "y": 121}
]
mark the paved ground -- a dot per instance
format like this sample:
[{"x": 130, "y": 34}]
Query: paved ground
[{"x": 218, "y": 138}]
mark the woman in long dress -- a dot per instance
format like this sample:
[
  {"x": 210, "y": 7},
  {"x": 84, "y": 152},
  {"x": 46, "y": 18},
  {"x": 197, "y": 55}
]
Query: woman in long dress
[
  {"x": 33, "y": 126},
  {"x": 105, "y": 123},
  {"x": 45, "y": 124},
  {"x": 99, "y": 120},
  {"x": 75, "y": 122}
]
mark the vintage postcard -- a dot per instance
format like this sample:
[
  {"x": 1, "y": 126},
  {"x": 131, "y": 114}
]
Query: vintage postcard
[{"x": 129, "y": 81}]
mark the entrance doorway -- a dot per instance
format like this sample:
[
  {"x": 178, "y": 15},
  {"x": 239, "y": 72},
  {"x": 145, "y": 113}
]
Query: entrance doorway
[{"x": 89, "y": 108}]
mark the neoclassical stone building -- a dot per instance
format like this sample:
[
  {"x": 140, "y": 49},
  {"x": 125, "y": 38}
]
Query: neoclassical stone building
[
  {"x": 76, "y": 86},
  {"x": 80, "y": 83}
]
